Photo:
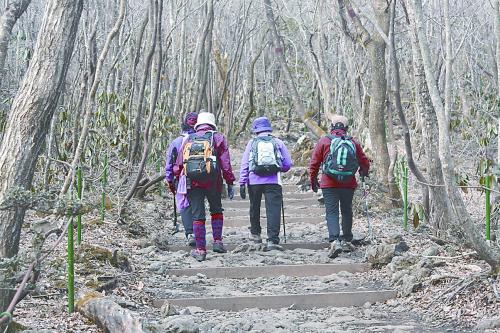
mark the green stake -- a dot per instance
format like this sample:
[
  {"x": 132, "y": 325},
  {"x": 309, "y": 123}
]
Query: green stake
[
  {"x": 79, "y": 191},
  {"x": 71, "y": 268},
  {"x": 405, "y": 196},
  {"x": 488, "y": 207},
  {"x": 104, "y": 181}
]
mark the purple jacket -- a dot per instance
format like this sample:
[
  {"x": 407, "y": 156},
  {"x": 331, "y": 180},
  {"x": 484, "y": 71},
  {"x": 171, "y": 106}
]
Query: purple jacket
[
  {"x": 224, "y": 169},
  {"x": 247, "y": 177},
  {"x": 169, "y": 165}
]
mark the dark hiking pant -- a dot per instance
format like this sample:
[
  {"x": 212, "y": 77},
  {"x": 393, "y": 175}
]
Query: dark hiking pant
[
  {"x": 197, "y": 203},
  {"x": 333, "y": 197},
  {"x": 187, "y": 220},
  {"x": 273, "y": 195}
]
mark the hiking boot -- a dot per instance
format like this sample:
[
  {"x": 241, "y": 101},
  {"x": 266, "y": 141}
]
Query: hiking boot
[
  {"x": 273, "y": 246},
  {"x": 199, "y": 255},
  {"x": 219, "y": 247},
  {"x": 335, "y": 249},
  {"x": 255, "y": 238},
  {"x": 190, "y": 240},
  {"x": 347, "y": 246}
]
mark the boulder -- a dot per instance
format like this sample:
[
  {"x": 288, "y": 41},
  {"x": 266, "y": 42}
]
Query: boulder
[
  {"x": 410, "y": 284},
  {"x": 380, "y": 254},
  {"x": 399, "y": 263}
]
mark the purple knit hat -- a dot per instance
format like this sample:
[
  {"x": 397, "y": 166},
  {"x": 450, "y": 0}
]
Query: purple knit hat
[
  {"x": 189, "y": 121},
  {"x": 261, "y": 124}
]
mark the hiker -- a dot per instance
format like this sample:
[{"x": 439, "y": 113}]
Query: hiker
[
  {"x": 187, "y": 128},
  {"x": 202, "y": 166},
  {"x": 341, "y": 157},
  {"x": 265, "y": 158}
]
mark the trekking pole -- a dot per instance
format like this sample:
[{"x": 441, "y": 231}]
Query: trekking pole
[
  {"x": 283, "y": 214},
  {"x": 176, "y": 225},
  {"x": 365, "y": 195}
]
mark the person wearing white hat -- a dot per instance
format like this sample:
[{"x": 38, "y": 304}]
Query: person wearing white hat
[{"x": 209, "y": 187}]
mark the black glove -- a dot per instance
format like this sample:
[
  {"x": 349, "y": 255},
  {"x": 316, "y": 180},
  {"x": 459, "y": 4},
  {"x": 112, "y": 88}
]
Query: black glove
[
  {"x": 363, "y": 174},
  {"x": 243, "y": 193},
  {"x": 230, "y": 191},
  {"x": 314, "y": 185}
]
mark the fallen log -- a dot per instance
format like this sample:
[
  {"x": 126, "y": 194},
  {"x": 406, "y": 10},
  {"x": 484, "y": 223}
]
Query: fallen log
[{"x": 108, "y": 315}]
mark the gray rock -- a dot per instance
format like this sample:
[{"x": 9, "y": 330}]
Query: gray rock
[
  {"x": 410, "y": 285},
  {"x": 161, "y": 241},
  {"x": 394, "y": 238},
  {"x": 44, "y": 226},
  {"x": 380, "y": 254},
  {"x": 488, "y": 323},
  {"x": 168, "y": 310},
  {"x": 431, "y": 251},
  {"x": 401, "y": 248},
  {"x": 179, "y": 324},
  {"x": 402, "y": 262},
  {"x": 147, "y": 250},
  {"x": 185, "y": 312}
]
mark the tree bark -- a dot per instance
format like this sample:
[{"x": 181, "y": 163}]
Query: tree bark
[
  {"x": 396, "y": 93},
  {"x": 9, "y": 17},
  {"x": 473, "y": 236},
  {"x": 299, "y": 106},
  {"x": 375, "y": 44},
  {"x": 155, "y": 82},
  {"x": 31, "y": 113}
]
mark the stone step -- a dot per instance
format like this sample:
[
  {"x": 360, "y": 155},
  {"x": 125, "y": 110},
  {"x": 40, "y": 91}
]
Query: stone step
[
  {"x": 242, "y": 221},
  {"x": 249, "y": 272},
  {"x": 309, "y": 202},
  {"x": 286, "y": 196},
  {"x": 290, "y": 210},
  {"x": 287, "y": 188},
  {"x": 296, "y": 301},
  {"x": 231, "y": 247}
]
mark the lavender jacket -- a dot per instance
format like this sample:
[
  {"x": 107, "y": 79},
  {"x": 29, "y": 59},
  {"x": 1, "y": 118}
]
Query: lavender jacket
[
  {"x": 175, "y": 146},
  {"x": 247, "y": 177}
]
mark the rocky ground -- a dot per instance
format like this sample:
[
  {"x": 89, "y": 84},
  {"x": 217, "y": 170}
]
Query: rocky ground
[{"x": 442, "y": 286}]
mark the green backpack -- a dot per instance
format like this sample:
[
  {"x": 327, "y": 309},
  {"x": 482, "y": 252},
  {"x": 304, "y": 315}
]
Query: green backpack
[{"x": 342, "y": 162}]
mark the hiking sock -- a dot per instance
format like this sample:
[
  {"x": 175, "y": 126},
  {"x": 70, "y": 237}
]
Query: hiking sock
[
  {"x": 199, "y": 234},
  {"x": 217, "y": 223}
]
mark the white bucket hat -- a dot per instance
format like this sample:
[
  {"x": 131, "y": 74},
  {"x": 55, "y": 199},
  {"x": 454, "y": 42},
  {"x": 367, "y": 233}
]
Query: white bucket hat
[
  {"x": 205, "y": 118},
  {"x": 337, "y": 118}
]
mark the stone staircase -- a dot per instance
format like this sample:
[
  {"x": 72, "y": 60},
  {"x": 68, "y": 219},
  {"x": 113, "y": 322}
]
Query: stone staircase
[{"x": 306, "y": 263}]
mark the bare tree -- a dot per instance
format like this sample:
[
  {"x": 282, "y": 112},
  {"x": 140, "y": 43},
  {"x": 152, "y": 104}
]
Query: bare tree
[
  {"x": 8, "y": 19},
  {"x": 279, "y": 49},
  {"x": 375, "y": 43},
  {"x": 31, "y": 114},
  {"x": 490, "y": 254}
]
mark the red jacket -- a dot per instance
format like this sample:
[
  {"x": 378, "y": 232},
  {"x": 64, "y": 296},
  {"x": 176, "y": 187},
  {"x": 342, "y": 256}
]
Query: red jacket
[{"x": 320, "y": 154}]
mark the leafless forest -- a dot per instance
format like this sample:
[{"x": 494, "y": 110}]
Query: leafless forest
[{"x": 101, "y": 86}]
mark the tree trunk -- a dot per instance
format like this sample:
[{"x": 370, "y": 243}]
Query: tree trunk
[
  {"x": 91, "y": 98},
  {"x": 473, "y": 236},
  {"x": 299, "y": 106},
  {"x": 396, "y": 93},
  {"x": 155, "y": 82},
  {"x": 32, "y": 111},
  {"x": 9, "y": 17}
]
